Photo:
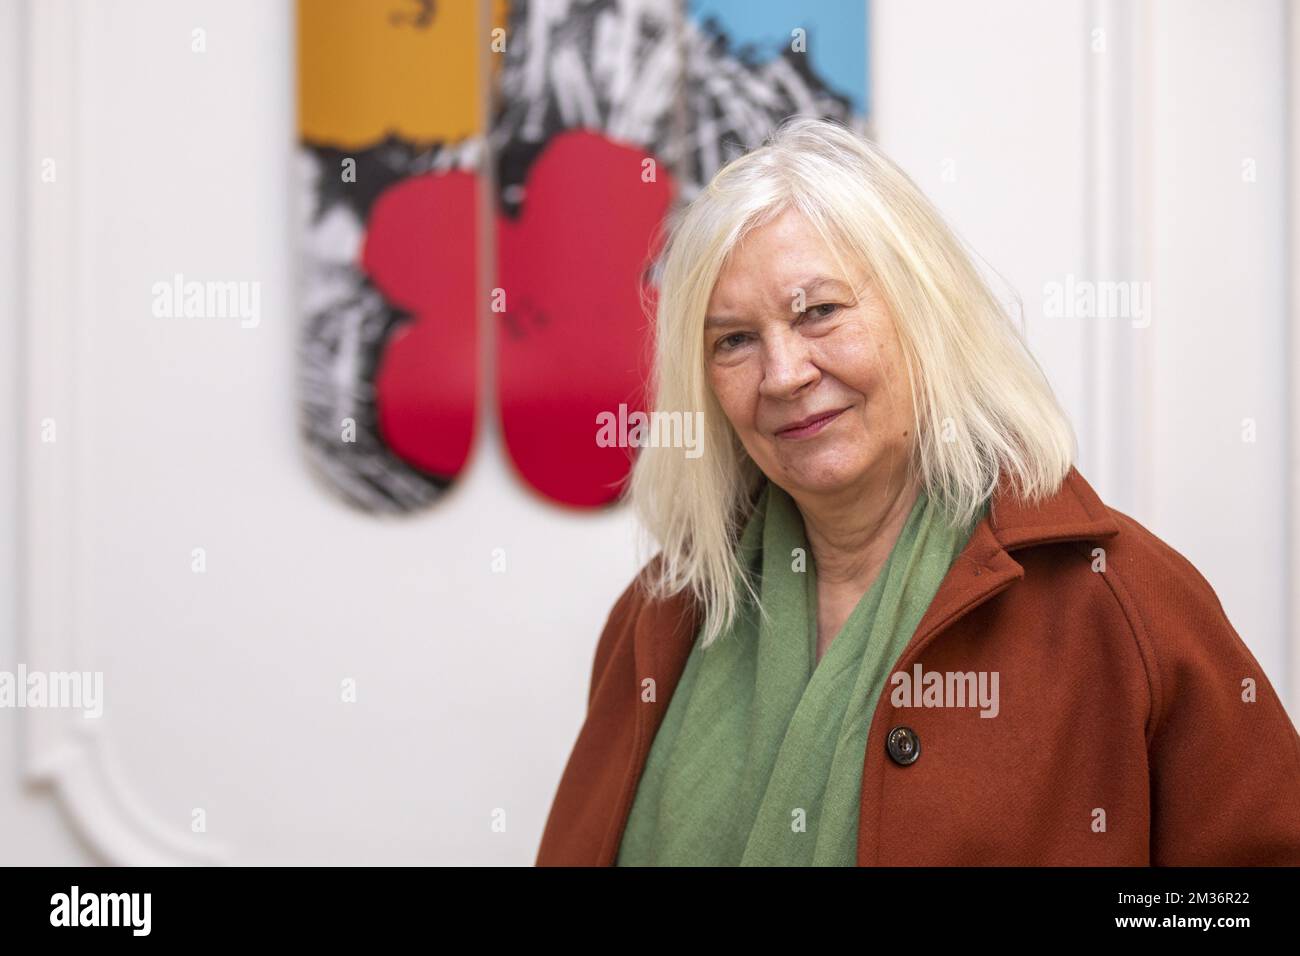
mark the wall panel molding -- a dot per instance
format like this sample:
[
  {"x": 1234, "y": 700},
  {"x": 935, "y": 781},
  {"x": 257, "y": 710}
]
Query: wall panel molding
[
  {"x": 1117, "y": 240},
  {"x": 1293, "y": 344},
  {"x": 63, "y": 749}
]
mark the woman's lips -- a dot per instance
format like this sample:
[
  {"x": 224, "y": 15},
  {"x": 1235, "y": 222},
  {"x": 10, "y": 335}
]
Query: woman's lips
[{"x": 812, "y": 428}]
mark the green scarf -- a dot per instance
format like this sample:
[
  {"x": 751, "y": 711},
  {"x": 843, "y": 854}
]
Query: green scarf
[{"x": 759, "y": 758}]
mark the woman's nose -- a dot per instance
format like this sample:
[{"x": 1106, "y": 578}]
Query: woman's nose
[{"x": 787, "y": 365}]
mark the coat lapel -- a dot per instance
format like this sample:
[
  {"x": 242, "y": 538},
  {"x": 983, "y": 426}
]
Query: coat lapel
[{"x": 986, "y": 567}]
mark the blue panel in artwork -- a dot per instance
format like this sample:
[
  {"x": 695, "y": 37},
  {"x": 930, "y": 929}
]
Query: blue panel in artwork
[{"x": 836, "y": 31}]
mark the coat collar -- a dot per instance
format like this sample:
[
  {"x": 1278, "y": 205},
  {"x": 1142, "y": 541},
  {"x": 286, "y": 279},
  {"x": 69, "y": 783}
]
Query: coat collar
[
  {"x": 1073, "y": 513},
  {"x": 985, "y": 567}
]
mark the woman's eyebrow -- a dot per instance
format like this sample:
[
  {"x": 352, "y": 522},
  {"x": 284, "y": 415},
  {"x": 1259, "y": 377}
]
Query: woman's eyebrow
[
  {"x": 809, "y": 287},
  {"x": 720, "y": 321},
  {"x": 820, "y": 283}
]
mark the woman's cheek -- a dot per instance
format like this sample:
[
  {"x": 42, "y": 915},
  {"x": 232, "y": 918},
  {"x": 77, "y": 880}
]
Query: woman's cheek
[
  {"x": 727, "y": 390},
  {"x": 855, "y": 353}
]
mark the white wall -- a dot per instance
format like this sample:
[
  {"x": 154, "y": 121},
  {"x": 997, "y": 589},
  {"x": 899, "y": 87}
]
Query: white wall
[
  {"x": 1125, "y": 163},
  {"x": 222, "y": 688}
]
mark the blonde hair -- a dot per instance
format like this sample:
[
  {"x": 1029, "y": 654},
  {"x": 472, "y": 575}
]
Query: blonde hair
[{"x": 982, "y": 404}]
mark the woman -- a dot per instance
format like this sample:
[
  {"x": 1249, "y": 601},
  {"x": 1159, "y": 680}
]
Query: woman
[{"x": 890, "y": 623}]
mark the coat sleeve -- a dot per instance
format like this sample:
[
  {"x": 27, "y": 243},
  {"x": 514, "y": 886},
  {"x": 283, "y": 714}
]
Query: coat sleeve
[
  {"x": 609, "y": 634},
  {"x": 577, "y": 825},
  {"x": 1224, "y": 756}
]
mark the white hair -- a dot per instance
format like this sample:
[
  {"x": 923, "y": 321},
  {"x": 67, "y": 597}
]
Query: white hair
[{"x": 982, "y": 405}]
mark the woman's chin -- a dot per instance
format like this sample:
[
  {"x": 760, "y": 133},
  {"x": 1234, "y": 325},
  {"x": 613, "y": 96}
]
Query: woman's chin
[{"x": 821, "y": 477}]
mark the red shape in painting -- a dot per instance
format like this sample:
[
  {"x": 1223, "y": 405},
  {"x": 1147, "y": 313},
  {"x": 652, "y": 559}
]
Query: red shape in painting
[
  {"x": 420, "y": 252},
  {"x": 574, "y": 338}
]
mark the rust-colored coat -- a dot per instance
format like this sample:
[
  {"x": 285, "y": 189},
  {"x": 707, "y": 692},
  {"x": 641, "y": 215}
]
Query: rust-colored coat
[{"x": 1122, "y": 738}]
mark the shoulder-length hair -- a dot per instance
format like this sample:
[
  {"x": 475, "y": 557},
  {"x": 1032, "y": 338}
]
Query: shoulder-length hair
[{"x": 983, "y": 407}]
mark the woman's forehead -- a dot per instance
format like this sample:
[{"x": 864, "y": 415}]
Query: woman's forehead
[{"x": 776, "y": 260}]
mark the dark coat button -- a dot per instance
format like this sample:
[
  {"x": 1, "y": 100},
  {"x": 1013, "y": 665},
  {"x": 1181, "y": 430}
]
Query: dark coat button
[{"x": 904, "y": 745}]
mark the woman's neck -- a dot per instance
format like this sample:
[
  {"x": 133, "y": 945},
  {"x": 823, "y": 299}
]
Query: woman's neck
[{"x": 851, "y": 538}]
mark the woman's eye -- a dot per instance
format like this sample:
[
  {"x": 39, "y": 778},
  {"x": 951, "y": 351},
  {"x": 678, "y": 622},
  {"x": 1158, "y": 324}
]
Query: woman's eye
[
  {"x": 816, "y": 311},
  {"x": 731, "y": 342}
]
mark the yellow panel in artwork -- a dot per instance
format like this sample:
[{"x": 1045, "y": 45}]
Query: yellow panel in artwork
[{"x": 370, "y": 67}]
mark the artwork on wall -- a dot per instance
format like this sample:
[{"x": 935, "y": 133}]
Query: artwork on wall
[{"x": 602, "y": 116}]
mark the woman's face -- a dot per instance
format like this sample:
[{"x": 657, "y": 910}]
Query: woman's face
[{"x": 773, "y": 366}]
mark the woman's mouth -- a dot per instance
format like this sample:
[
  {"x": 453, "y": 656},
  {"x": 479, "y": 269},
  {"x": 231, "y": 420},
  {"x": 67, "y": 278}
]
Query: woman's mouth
[{"x": 810, "y": 426}]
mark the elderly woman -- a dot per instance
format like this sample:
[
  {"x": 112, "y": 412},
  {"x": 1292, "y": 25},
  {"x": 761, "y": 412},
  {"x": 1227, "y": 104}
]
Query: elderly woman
[{"x": 890, "y": 623}]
